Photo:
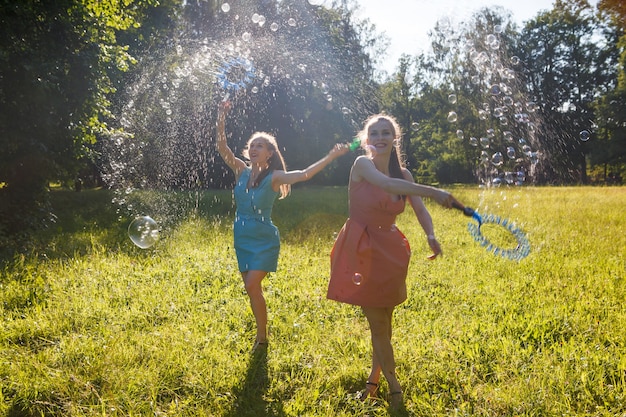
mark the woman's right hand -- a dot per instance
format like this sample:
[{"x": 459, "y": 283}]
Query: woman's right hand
[
  {"x": 338, "y": 150},
  {"x": 445, "y": 198}
]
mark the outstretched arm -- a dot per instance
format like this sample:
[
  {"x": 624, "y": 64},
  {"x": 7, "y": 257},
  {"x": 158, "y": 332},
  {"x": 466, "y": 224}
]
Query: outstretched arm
[
  {"x": 236, "y": 164},
  {"x": 364, "y": 169},
  {"x": 292, "y": 177}
]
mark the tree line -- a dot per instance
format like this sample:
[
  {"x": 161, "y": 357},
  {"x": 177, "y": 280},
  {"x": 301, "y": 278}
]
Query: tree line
[{"x": 70, "y": 70}]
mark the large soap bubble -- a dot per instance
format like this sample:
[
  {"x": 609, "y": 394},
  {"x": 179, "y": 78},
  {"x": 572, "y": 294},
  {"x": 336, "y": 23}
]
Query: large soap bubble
[{"x": 143, "y": 231}]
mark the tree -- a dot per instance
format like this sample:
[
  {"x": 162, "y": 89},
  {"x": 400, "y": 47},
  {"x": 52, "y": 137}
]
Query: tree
[
  {"x": 566, "y": 77},
  {"x": 610, "y": 151},
  {"x": 617, "y": 8},
  {"x": 56, "y": 64},
  {"x": 460, "y": 103}
]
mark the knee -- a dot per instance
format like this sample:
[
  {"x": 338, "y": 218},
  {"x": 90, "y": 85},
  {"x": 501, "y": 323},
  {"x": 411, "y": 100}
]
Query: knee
[
  {"x": 252, "y": 286},
  {"x": 380, "y": 329},
  {"x": 380, "y": 333}
]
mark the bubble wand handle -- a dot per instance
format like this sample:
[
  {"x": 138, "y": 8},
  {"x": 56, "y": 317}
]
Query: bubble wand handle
[{"x": 468, "y": 211}]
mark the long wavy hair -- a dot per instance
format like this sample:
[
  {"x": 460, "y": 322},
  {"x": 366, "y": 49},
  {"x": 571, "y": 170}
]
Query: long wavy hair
[
  {"x": 396, "y": 161},
  {"x": 274, "y": 162}
]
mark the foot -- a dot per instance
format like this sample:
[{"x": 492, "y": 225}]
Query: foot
[
  {"x": 370, "y": 391},
  {"x": 258, "y": 345}
]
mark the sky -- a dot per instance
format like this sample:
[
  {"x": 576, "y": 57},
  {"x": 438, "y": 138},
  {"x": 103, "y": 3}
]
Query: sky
[{"x": 406, "y": 22}]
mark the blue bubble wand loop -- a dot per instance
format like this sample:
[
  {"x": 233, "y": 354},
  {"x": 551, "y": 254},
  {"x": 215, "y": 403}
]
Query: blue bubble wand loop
[
  {"x": 235, "y": 74},
  {"x": 518, "y": 253}
]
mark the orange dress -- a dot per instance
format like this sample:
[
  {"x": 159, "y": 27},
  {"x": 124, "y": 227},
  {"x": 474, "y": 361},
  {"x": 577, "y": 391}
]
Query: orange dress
[{"x": 370, "y": 257}]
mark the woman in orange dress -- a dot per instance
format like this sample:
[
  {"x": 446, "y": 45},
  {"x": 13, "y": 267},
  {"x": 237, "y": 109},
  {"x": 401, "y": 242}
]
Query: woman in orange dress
[{"x": 370, "y": 256}]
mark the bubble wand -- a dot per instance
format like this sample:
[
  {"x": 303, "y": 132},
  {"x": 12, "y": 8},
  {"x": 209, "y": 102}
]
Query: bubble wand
[
  {"x": 518, "y": 253},
  {"x": 234, "y": 75},
  {"x": 469, "y": 212}
]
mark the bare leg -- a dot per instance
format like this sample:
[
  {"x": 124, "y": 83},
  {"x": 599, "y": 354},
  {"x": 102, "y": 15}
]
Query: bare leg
[
  {"x": 252, "y": 281},
  {"x": 373, "y": 380},
  {"x": 371, "y": 386},
  {"x": 376, "y": 368},
  {"x": 383, "y": 359}
]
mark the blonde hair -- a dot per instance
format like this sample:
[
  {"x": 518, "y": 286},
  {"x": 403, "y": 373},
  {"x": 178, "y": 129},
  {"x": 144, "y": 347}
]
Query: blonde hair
[
  {"x": 396, "y": 162},
  {"x": 274, "y": 162}
]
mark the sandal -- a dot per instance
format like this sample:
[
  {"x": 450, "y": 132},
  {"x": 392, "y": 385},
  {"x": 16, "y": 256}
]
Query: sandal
[
  {"x": 370, "y": 390},
  {"x": 258, "y": 345}
]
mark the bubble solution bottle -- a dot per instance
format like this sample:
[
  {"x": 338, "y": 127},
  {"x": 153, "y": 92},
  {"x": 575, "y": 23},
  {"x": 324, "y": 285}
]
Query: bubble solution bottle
[{"x": 355, "y": 144}]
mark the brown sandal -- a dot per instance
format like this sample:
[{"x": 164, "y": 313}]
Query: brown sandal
[{"x": 370, "y": 390}]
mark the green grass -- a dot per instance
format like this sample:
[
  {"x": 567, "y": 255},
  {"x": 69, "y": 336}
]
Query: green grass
[{"x": 93, "y": 325}]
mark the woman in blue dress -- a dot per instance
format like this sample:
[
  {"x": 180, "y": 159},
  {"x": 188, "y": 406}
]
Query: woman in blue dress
[{"x": 258, "y": 183}]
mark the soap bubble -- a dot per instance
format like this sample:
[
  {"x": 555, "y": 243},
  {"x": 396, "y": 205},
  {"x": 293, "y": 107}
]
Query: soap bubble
[
  {"x": 585, "y": 135},
  {"x": 143, "y": 231},
  {"x": 497, "y": 159},
  {"x": 510, "y": 152},
  {"x": 452, "y": 117},
  {"x": 452, "y": 98},
  {"x": 225, "y": 7},
  {"x": 357, "y": 279},
  {"x": 415, "y": 126}
]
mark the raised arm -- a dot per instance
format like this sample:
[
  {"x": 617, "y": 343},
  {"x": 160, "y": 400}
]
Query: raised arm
[
  {"x": 292, "y": 177},
  {"x": 364, "y": 169},
  {"x": 236, "y": 164}
]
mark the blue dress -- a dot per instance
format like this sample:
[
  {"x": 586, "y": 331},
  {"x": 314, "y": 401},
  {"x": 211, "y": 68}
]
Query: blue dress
[{"x": 257, "y": 241}]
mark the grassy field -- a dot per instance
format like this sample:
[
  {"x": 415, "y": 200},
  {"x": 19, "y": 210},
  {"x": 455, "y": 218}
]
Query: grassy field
[{"x": 94, "y": 326}]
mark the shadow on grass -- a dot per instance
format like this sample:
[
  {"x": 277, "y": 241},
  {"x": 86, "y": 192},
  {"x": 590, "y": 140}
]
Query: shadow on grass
[{"x": 251, "y": 393}]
